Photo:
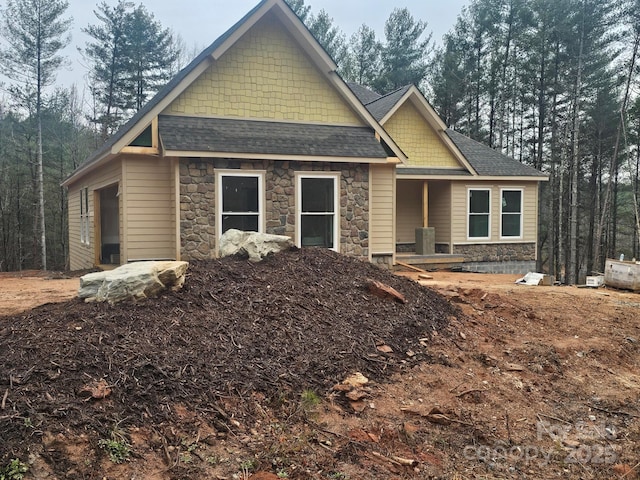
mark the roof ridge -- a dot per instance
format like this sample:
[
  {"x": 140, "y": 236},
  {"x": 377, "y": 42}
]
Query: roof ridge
[{"x": 409, "y": 85}]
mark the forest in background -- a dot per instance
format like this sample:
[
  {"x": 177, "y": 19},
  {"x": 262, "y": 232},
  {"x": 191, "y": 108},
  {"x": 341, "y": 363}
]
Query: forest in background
[{"x": 552, "y": 83}]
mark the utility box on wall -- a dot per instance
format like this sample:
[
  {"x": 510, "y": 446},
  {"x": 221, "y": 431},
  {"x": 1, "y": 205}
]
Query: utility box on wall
[{"x": 426, "y": 241}]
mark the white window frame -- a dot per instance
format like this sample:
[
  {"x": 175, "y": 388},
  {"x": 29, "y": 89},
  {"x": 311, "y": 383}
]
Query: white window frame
[
  {"x": 220, "y": 174},
  {"x": 521, "y": 213},
  {"x": 85, "y": 232},
  {"x": 335, "y": 176},
  {"x": 469, "y": 214}
]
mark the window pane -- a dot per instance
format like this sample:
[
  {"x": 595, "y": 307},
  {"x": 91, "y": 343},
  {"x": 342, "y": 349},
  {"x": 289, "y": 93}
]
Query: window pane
[
  {"x": 479, "y": 201},
  {"x": 318, "y": 195},
  {"x": 316, "y": 231},
  {"x": 246, "y": 223},
  {"x": 239, "y": 194},
  {"x": 511, "y": 201},
  {"x": 511, "y": 225},
  {"x": 478, "y": 225}
]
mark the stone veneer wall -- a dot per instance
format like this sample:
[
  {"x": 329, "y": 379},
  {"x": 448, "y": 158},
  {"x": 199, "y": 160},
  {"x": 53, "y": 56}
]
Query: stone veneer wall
[
  {"x": 383, "y": 260},
  {"x": 198, "y": 197},
  {"x": 497, "y": 252}
]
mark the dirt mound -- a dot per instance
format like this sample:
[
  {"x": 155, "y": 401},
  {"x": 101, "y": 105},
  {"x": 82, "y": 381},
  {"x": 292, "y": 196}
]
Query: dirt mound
[{"x": 298, "y": 320}]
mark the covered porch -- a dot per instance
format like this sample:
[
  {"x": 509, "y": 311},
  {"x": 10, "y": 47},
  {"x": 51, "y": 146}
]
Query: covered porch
[{"x": 423, "y": 228}]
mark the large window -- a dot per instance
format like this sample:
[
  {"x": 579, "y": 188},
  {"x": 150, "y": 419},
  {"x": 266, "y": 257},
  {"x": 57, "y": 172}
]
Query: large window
[
  {"x": 511, "y": 213},
  {"x": 479, "y": 223},
  {"x": 84, "y": 216},
  {"x": 240, "y": 201},
  {"x": 317, "y": 210}
]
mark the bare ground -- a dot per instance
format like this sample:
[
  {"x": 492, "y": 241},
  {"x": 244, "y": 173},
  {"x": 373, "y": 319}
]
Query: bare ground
[{"x": 519, "y": 382}]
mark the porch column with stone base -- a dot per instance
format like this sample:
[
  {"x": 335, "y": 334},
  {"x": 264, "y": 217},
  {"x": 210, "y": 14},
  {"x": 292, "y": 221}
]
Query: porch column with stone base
[{"x": 425, "y": 241}]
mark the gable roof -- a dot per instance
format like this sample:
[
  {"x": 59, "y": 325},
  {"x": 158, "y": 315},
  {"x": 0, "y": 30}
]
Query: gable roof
[
  {"x": 479, "y": 159},
  {"x": 364, "y": 94},
  {"x": 261, "y": 138},
  {"x": 141, "y": 120},
  {"x": 489, "y": 162},
  {"x": 381, "y": 106}
]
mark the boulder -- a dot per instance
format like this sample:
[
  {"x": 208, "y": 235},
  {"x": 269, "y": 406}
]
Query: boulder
[
  {"x": 252, "y": 244},
  {"x": 132, "y": 281}
]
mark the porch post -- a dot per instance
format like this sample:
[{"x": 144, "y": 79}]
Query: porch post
[{"x": 425, "y": 203}]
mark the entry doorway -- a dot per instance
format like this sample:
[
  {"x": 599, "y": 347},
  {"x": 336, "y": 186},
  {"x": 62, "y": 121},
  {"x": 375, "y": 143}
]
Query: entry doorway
[{"x": 109, "y": 222}]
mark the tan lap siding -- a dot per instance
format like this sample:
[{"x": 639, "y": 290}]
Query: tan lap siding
[
  {"x": 77, "y": 251},
  {"x": 530, "y": 209},
  {"x": 382, "y": 191},
  {"x": 409, "y": 210},
  {"x": 82, "y": 256},
  {"x": 150, "y": 209},
  {"x": 529, "y": 214},
  {"x": 440, "y": 210}
]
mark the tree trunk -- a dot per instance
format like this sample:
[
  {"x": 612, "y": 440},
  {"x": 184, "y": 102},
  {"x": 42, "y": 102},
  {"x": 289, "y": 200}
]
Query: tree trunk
[
  {"x": 572, "y": 274},
  {"x": 43, "y": 236},
  {"x": 614, "y": 158}
]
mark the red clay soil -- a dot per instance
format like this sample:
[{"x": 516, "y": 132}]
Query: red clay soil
[
  {"x": 20, "y": 291},
  {"x": 300, "y": 320}
]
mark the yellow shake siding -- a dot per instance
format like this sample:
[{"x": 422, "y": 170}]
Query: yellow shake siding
[
  {"x": 440, "y": 210},
  {"x": 529, "y": 208},
  {"x": 418, "y": 140},
  {"x": 409, "y": 210},
  {"x": 150, "y": 215},
  {"x": 382, "y": 187},
  {"x": 82, "y": 256},
  {"x": 265, "y": 75}
]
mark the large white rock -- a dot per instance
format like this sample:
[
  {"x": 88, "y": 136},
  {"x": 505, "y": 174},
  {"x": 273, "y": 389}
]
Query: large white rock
[
  {"x": 131, "y": 281},
  {"x": 255, "y": 245}
]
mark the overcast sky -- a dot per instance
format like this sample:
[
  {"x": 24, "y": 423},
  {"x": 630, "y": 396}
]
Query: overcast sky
[{"x": 200, "y": 22}]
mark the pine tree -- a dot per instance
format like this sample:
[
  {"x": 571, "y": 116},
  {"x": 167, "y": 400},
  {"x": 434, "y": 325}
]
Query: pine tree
[
  {"x": 405, "y": 52},
  {"x": 363, "y": 63},
  {"x": 108, "y": 59},
  {"x": 132, "y": 56},
  {"x": 35, "y": 32},
  {"x": 328, "y": 35}
]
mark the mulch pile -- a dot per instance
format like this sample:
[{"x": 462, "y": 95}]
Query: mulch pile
[{"x": 302, "y": 319}]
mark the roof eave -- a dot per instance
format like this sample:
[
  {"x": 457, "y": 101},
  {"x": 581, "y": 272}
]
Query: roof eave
[
  {"x": 433, "y": 119},
  {"x": 286, "y": 15},
  {"x": 82, "y": 170},
  {"x": 367, "y": 116},
  {"x": 511, "y": 178},
  {"x": 278, "y": 156}
]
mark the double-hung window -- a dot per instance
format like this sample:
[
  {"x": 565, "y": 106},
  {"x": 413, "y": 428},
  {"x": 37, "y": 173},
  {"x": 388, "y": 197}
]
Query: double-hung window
[
  {"x": 318, "y": 210},
  {"x": 84, "y": 216},
  {"x": 240, "y": 200},
  {"x": 511, "y": 213},
  {"x": 479, "y": 213}
]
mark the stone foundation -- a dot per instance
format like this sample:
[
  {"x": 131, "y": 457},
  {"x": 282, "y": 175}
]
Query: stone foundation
[
  {"x": 383, "y": 261},
  {"x": 405, "y": 247},
  {"x": 497, "y": 252},
  {"x": 442, "y": 248},
  {"x": 519, "y": 268},
  {"x": 198, "y": 199}
]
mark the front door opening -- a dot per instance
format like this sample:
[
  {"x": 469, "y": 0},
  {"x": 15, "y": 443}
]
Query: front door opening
[{"x": 109, "y": 226}]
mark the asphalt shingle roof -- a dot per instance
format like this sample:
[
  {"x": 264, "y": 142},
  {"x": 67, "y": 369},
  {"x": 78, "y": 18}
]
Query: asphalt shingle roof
[
  {"x": 489, "y": 162},
  {"x": 483, "y": 159},
  {"x": 432, "y": 171},
  {"x": 179, "y": 133},
  {"x": 383, "y": 105},
  {"x": 364, "y": 94}
]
